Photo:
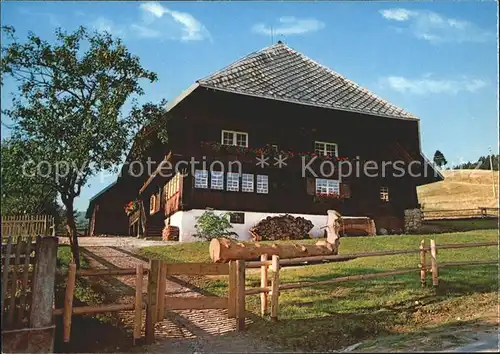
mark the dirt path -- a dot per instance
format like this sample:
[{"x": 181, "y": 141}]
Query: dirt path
[{"x": 186, "y": 331}]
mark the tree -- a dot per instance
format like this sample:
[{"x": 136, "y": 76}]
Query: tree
[
  {"x": 439, "y": 159},
  {"x": 210, "y": 225},
  {"x": 21, "y": 194},
  {"x": 68, "y": 108}
]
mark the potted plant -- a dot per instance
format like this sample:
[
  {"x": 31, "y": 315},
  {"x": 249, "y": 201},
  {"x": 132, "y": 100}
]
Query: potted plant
[{"x": 131, "y": 207}]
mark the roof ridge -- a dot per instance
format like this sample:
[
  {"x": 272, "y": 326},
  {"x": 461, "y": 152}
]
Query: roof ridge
[{"x": 248, "y": 56}]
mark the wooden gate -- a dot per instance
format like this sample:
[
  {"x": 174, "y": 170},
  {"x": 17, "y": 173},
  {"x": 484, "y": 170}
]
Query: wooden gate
[
  {"x": 28, "y": 278},
  {"x": 157, "y": 302}
]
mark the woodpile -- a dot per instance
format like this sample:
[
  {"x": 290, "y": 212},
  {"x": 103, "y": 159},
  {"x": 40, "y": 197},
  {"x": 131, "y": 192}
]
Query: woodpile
[
  {"x": 224, "y": 250},
  {"x": 170, "y": 233},
  {"x": 283, "y": 227}
]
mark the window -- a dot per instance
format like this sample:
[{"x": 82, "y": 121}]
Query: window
[
  {"x": 327, "y": 186},
  {"x": 201, "y": 179},
  {"x": 217, "y": 180},
  {"x": 247, "y": 182},
  {"x": 384, "y": 194},
  {"x": 152, "y": 204},
  {"x": 237, "y": 218},
  {"x": 233, "y": 182},
  {"x": 234, "y": 138},
  {"x": 262, "y": 184},
  {"x": 323, "y": 148}
]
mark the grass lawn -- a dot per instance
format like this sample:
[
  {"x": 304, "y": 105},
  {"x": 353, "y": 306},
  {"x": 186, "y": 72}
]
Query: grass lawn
[{"x": 334, "y": 316}]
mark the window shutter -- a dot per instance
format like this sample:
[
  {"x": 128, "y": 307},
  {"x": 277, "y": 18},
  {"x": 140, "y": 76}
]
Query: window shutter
[
  {"x": 345, "y": 190},
  {"x": 310, "y": 186}
]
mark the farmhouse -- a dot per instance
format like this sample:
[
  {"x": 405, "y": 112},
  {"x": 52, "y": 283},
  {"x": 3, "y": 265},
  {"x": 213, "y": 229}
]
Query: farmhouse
[{"x": 273, "y": 133}]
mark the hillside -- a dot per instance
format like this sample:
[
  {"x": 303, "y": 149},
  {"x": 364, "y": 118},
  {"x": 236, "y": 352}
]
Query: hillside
[{"x": 461, "y": 189}]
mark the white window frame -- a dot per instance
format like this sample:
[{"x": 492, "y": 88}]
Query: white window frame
[
  {"x": 384, "y": 193},
  {"x": 331, "y": 187},
  {"x": 247, "y": 185},
  {"x": 233, "y": 181},
  {"x": 262, "y": 186},
  {"x": 324, "y": 150},
  {"x": 201, "y": 179},
  {"x": 217, "y": 180},
  {"x": 235, "y": 138}
]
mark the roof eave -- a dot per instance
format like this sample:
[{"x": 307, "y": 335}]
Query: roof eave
[{"x": 305, "y": 103}]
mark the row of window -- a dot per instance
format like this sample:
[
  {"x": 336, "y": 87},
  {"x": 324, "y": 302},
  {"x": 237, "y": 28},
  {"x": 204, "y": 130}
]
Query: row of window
[
  {"x": 245, "y": 183},
  {"x": 234, "y": 182},
  {"x": 234, "y": 138}
]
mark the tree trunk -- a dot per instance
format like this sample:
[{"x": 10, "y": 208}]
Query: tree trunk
[
  {"x": 71, "y": 229},
  {"x": 223, "y": 250}
]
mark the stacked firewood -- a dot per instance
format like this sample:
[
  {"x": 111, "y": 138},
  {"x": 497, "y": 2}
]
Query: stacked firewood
[
  {"x": 170, "y": 233},
  {"x": 283, "y": 227}
]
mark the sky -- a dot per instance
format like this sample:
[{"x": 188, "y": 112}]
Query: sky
[{"x": 437, "y": 60}]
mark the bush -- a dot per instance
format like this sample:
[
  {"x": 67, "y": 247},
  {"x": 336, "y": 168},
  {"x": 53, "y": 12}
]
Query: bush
[{"x": 210, "y": 225}]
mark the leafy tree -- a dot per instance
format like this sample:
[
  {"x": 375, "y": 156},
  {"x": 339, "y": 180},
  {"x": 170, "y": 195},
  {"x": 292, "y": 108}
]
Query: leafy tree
[
  {"x": 210, "y": 225},
  {"x": 439, "y": 159},
  {"x": 21, "y": 194},
  {"x": 68, "y": 108}
]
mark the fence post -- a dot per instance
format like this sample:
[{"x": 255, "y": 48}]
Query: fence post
[
  {"x": 232, "y": 290},
  {"x": 162, "y": 284},
  {"x": 154, "y": 266},
  {"x": 434, "y": 264},
  {"x": 68, "y": 302},
  {"x": 139, "y": 273},
  {"x": 240, "y": 295},
  {"x": 275, "y": 283},
  {"x": 423, "y": 265},
  {"x": 263, "y": 284},
  {"x": 43, "y": 289}
]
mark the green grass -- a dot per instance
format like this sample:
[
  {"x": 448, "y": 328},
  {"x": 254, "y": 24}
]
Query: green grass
[{"x": 333, "y": 316}]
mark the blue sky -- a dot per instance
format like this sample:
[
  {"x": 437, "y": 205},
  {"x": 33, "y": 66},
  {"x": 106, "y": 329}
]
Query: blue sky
[{"x": 437, "y": 60}]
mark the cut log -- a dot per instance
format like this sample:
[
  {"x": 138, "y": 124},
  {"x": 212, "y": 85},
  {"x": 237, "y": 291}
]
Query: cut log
[{"x": 223, "y": 250}]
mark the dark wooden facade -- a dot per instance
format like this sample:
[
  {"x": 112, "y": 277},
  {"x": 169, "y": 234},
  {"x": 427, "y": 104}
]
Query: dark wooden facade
[{"x": 204, "y": 113}]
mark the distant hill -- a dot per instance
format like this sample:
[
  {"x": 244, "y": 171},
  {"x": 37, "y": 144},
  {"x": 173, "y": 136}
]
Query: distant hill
[{"x": 461, "y": 189}]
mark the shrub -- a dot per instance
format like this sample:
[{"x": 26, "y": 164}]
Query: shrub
[{"x": 210, "y": 225}]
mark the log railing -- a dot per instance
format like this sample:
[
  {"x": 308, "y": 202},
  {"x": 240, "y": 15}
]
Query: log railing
[
  {"x": 68, "y": 310},
  {"x": 275, "y": 287}
]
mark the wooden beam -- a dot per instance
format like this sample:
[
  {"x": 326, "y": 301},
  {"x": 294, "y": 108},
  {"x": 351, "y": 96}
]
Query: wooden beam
[
  {"x": 263, "y": 284},
  {"x": 87, "y": 310},
  {"x": 68, "y": 302},
  {"x": 231, "y": 309},
  {"x": 275, "y": 287},
  {"x": 155, "y": 173},
  {"x": 138, "y": 301},
  {"x": 43, "y": 289},
  {"x": 195, "y": 303},
  {"x": 154, "y": 267},
  {"x": 162, "y": 284},
  {"x": 434, "y": 265},
  {"x": 198, "y": 269},
  {"x": 240, "y": 295}
]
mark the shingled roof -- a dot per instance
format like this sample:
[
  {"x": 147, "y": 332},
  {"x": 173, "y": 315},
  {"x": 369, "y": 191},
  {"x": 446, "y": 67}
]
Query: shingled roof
[{"x": 279, "y": 72}]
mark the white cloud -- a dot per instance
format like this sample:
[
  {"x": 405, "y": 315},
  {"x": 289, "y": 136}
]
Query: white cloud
[
  {"x": 145, "y": 32},
  {"x": 429, "y": 85},
  {"x": 397, "y": 14},
  {"x": 289, "y": 25},
  {"x": 103, "y": 24},
  {"x": 174, "y": 24},
  {"x": 435, "y": 28}
]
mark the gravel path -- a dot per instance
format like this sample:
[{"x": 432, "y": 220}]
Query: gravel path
[{"x": 184, "y": 331}]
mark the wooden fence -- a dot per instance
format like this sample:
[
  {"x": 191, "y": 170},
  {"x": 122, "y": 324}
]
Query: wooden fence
[
  {"x": 423, "y": 269},
  {"x": 28, "y": 274},
  {"x": 479, "y": 212},
  {"x": 69, "y": 310},
  {"x": 28, "y": 225}
]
